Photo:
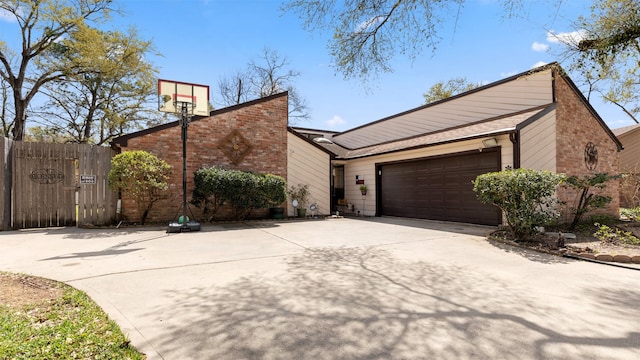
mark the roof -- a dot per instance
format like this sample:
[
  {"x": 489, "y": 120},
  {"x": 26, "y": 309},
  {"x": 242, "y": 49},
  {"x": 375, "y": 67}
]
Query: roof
[
  {"x": 122, "y": 140},
  {"x": 514, "y": 101},
  {"x": 480, "y": 129},
  {"x": 626, "y": 129},
  {"x": 507, "y": 96}
]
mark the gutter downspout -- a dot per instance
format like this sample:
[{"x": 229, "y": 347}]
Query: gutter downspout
[{"x": 515, "y": 140}]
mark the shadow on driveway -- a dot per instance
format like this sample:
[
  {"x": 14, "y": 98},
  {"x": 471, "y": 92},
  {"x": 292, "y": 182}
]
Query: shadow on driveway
[{"x": 362, "y": 303}]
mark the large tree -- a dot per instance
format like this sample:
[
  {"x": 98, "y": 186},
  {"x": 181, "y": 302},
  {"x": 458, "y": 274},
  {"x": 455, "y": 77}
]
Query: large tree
[
  {"x": 607, "y": 53},
  {"x": 42, "y": 24},
  {"x": 442, "y": 90},
  {"x": 107, "y": 88},
  {"x": 6, "y": 114},
  {"x": 267, "y": 75},
  {"x": 367, "y": 34}
]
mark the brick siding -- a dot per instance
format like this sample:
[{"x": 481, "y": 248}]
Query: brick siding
[
  {"x": 263, "y": 125},
  {"x": 576, "y": 126}
]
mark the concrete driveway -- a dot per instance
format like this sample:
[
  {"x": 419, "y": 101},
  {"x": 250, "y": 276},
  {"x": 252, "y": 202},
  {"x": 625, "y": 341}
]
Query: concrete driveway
[{"x": 341, "y": 288}]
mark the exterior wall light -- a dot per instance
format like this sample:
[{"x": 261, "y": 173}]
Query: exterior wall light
[{"x": 492, "y": 142}]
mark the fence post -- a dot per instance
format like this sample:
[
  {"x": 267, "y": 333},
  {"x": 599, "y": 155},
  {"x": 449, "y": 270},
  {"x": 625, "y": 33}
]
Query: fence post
[{"x": 5, "y": 182}]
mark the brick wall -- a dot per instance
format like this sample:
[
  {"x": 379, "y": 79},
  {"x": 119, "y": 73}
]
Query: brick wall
[
  {"x": 575, "y": 128},
  {"x": 256, "y": 129}
]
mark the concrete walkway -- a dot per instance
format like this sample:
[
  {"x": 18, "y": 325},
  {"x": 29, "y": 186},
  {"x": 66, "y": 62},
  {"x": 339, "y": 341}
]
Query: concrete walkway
[{"x": 379, "y": 288}]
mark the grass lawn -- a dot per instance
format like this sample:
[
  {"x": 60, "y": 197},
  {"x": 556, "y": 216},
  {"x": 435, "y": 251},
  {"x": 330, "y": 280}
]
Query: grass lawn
[{"x": 44, "y": 319}]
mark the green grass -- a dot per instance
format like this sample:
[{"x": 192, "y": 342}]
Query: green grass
[{"x": 69, "y": 327}]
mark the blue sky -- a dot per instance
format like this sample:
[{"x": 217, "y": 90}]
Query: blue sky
[{"x": 204, "y": 40}]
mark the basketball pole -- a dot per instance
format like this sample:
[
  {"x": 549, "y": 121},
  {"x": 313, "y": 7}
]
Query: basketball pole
[
  {"x": 185, "y": 225},
  {"x": 185, "y": 125}
]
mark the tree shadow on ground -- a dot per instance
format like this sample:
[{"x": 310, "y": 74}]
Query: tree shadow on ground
[
  {"x": 83, "y": 233},
  {"x": 365, "y": 304}
]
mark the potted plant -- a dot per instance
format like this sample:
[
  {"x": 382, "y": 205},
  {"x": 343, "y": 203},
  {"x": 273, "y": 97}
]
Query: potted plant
[
  {"x": 363, "y": 189},
  {"x": 300, "y": 196}
]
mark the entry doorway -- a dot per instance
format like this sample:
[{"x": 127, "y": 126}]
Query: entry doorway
[{"x": 337, "y": 187}]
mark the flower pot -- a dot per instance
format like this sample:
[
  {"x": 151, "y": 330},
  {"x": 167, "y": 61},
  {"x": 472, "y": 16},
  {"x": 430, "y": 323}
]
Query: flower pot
[
  {"x": 302, "y": 213},
  {"x": 364, "y": 193},
  {"x": 276, "y": 212}
]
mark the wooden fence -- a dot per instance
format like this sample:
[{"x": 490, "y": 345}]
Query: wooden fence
[{"x": 58, "y": 185}]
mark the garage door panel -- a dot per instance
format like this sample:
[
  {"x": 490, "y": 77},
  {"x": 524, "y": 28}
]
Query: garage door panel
[{"x": 438, "y": 188}]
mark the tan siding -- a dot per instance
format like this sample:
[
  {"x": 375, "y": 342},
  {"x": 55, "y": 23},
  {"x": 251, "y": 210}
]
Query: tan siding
[
  {"x": 366, "y": 167},
  {"x": 630, "y": 156},
  {"x": 538, "y": 144},
  {"x": 519, "y": 94},
  {"x": 309, "y": 165}
]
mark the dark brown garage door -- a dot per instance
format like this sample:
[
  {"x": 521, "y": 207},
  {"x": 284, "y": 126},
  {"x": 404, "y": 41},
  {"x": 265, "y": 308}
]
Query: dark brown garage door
[{"x": 438, "y": 188}]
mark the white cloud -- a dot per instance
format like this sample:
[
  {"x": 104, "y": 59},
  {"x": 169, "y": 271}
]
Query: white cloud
[
  {"x": 508, "y": 73},
  {"x": 335, "y": 122},
  {"x": 366, "y": 25},
  {"x": 536, "y": 46},
  {"x": 538, "y": 64},
  {"x": 573, "y": 37},
  {"x": 7, "y": 17}
]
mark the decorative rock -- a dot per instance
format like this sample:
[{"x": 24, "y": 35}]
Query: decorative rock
[
  {"x": 561, "y": 235},
  {"x": 622, "y": 258},
  {"x": 587, "y": 256},
  {"x": 635, "y": 259},
  {"x": 604, "y": 257}
]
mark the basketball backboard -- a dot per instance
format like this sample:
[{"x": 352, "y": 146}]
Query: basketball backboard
[{"x": 172, "y": 94}]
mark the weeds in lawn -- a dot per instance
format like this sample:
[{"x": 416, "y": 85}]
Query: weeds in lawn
[{"x": 66, "y": 326}]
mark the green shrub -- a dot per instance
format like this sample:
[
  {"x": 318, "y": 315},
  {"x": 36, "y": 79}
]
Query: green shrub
[
  {"x": 273, "y": 190},
  {"x": 607, "y": 235},
  {"x": 586, "y": 200},
  {"x": 242, "y": 190},
  {"x": 525, "y": 196},
  {"x": 209, "y": 190},
  {"x": 141, "y": 176},
  {"x": 630, "y": 214}
]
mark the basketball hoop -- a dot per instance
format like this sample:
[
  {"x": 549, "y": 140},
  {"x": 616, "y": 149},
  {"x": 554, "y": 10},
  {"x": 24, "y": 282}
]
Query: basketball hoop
[
  {"x": 186, "y": 111},
  {"x": 187, "y": 100},
  {"x": 173, "y": 95}
]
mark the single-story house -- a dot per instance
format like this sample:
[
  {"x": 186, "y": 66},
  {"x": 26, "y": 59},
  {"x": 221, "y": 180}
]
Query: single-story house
[
  {"x": 420, "y": 163},
  {"x": 629, "y": 136},
  {"x": 417, "y": 164}
]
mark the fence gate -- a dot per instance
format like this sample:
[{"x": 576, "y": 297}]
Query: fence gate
[
  {"x": 96, "y": 202},
  {"x": 61, "y": 185}
]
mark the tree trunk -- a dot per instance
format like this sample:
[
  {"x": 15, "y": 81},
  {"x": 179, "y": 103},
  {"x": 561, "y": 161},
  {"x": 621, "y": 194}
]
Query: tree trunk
[{"x": 20, "y": 117}]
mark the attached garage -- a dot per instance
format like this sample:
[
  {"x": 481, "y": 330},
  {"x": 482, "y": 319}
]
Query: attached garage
[
  {"x": 420, "y": 163},
  {"x": 438, "y": 188}
]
